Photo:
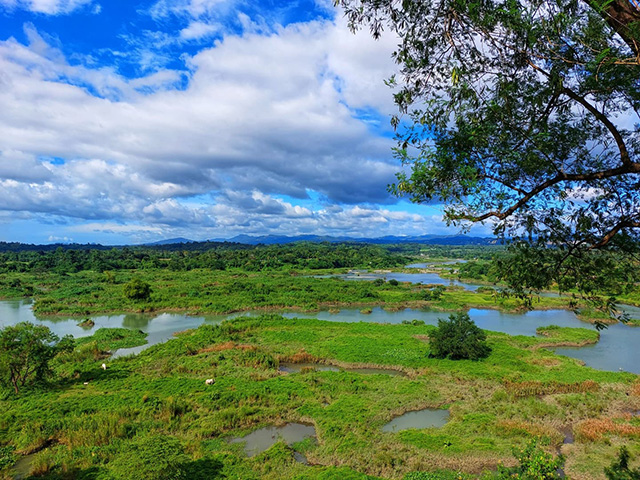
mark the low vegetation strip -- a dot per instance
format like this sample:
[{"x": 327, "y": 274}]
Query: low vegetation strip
[{"x": 533, "y": 388}]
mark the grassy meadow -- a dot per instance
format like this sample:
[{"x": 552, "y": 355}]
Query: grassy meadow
[{"x": 87, "y": 422}]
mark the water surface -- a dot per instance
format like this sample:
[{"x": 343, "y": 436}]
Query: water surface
[
  {"x": 158, "y": 327},
  {"x": 616, "y": 350},
  {"x": 261, "y": 440},
  {"x": 427, "y": 418}
]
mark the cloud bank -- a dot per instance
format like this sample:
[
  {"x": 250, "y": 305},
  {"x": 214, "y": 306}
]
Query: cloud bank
[{"x": 274, "y": 129}]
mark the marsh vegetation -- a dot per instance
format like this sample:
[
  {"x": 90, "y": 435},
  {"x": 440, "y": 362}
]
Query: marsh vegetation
[{"x": 338, "y": 382}]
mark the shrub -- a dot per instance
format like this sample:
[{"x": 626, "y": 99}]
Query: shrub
[
  {"x": 26, "y": 351},
  {"x": 619, "y": 469},
  {"x": 534, "y": 464},
  {"x": 459, "y": 338},
  {"x": 136, "y": 289},
  {"x": 7, "y": 456}
]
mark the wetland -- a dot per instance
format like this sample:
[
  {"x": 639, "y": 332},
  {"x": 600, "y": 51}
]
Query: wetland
[{"x": 278, "y": 374}]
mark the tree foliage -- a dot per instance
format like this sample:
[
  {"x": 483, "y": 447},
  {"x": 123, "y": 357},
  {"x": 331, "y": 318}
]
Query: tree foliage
[
  {"x": 25, "y": 352},
  {"x": 458, "y": 338},
  {"x": 137, "y": 289},
  {"x": 522, "y": 113}
]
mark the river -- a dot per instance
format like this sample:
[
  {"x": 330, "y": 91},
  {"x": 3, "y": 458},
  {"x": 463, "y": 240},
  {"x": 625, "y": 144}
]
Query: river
[{"x": 616, "y": 350}]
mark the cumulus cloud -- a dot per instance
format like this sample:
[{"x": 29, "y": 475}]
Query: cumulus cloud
[
  {"x": 49, "y": 7},
  {"x": 263, "y": 116}
]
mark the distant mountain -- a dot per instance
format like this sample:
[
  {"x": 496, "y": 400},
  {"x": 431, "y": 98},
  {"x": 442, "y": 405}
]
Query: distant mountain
[
  {"x": 424, "y": 239},
  {"x": 246, "y": 241},
  {"x": 170, "y": 241}
]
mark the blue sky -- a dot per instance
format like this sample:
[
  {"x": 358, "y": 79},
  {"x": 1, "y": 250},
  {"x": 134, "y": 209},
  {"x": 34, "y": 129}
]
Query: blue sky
[{"x": 134, "y": 121}]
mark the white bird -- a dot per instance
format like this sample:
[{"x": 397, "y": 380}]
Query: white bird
[{"x": 104, "y": 366}]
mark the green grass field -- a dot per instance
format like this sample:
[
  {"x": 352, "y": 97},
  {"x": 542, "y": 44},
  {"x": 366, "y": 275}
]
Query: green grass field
[{"x": 158, "y": 405}]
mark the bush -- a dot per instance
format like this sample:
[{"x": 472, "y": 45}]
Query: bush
[
  {"x": 458, "y": 339},
  {"x": 619, "y": 469},
  {"x": 534, "y": 464},
  {"x": 26, "y": 351},
  {"x": 7, "y": 457},
  {"x": 136, "y": 289}
]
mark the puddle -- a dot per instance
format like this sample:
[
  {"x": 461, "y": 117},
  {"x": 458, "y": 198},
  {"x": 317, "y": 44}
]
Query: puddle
[
  {"x": 261, "y": 440},
  {"x": 22, "y": 468},
  {"x": 567, "y": 431},
  {"x": 427, "y": 418},
  {"x": 300, "y": 458},
  {"x": 297, "y": 367}
]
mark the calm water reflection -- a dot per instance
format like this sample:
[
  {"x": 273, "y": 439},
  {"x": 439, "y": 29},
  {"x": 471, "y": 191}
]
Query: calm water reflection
[
  {"x": 618, "y": 348},
  {"x": 427, "y": 418},
  {"x": 158, "y": 327},
  {"x": 260, "y": 440}
]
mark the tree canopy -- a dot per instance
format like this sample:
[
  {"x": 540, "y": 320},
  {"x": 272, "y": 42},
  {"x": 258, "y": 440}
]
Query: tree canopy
[
  {"x": 522, "y": 113},
  {"x": 458, "y": 338},
  {"x": 25, "y": 352}
]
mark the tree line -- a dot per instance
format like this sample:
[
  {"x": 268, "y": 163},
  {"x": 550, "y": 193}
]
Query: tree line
[{"x": 184, "y": 257}]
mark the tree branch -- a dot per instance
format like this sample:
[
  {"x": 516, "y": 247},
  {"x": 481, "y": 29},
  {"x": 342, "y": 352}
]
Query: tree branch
[
  {"x": 561, "y": 177},
  {"x": 621, "y": 15},
  {"x": 624, "y": 153}
]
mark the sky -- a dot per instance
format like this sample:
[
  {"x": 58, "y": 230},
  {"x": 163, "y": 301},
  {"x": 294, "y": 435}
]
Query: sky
[{"x": 132, "y": 121}]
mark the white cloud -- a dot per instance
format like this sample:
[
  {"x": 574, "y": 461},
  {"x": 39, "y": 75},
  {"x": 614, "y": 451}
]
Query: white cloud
[
  {"x": 263, "y": 116},
  {"x": 191, "y": 8},
  {"x": 49, "y": 7},
  {"x": 198, "y": 30}
]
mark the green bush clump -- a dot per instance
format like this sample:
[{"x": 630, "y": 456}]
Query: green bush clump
[
  {"x": 619, "y": 469},
  {"x": 26, "y": 351},
  {"x": 459, "y": 338},
  {"x": 534, "y": 464},
  {"x": 136, "y": 289},
  {"x": 7, "y": 456},
  {"x": 413, "y": 322}
]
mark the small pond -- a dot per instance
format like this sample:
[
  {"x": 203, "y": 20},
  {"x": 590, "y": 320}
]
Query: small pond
[
  {"x": 260, "y": 440},
  {"x": 427, "y": 418},
  {"x": 297, "y": 367}
]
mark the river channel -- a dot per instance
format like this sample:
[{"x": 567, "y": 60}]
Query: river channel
[{"x": 616, "y": 350}]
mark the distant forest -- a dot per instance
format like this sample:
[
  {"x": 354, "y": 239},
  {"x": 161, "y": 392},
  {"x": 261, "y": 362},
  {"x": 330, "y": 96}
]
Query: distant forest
[{"x": 15, "y": 257}]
